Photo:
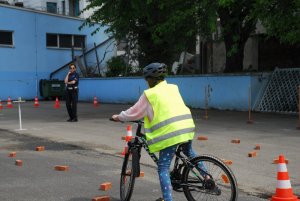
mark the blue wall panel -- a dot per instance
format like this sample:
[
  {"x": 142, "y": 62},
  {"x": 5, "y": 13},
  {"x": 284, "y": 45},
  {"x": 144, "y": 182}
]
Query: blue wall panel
[
  {"x": 227, "y": 92},
  {"x": 112, "y": 90}
]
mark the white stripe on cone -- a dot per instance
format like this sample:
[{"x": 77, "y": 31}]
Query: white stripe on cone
[
  {"x": 284, "y": 184},
  {"x": 281, "y": 167}
]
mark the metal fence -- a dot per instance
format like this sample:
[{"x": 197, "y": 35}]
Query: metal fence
[{"x": 281, "y": 94}]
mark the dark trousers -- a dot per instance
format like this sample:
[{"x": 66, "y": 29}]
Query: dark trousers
[{"x": 71, "y": 102}]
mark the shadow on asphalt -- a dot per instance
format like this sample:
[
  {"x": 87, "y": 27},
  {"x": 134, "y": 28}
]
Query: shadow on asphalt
[{"x": 17, "y": 141}]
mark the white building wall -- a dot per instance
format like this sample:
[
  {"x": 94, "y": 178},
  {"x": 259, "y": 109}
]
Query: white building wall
[
  {"x": 86, "y": 14},
  {"x": 42, "y": 6}
]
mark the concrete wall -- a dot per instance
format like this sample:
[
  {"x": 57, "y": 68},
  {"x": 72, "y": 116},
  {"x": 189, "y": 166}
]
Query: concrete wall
[
  {"x": 219, "y": 57},
  {"x": 251, "y": 54},
  {"x": 29, "y": 60},
  {"x": 227, "y": 92}
]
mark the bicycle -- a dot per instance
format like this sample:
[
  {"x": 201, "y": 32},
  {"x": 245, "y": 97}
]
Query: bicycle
[{"x": 186, "y": 176}]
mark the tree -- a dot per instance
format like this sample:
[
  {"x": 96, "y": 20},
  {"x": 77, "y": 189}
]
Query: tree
[
  {"x": 157, "y": 29},
  {"x": 116, "y": 67},
  {"x": 237, "y": 23},
  {"x": 160, "y": 29},
  {"x": 281, "y": 19}
]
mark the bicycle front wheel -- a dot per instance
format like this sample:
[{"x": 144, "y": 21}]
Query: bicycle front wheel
[
  {"x": 127, "y": 178},
  {"x": 208, "y": 178}
]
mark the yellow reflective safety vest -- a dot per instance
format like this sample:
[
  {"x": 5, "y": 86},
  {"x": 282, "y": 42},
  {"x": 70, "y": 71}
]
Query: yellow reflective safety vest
[{"x": 172, "y": 120}]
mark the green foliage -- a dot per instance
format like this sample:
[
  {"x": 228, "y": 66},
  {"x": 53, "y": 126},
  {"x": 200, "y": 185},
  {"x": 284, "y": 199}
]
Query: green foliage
[
  {"x": 281, "y": 19},
  {"x": 237, "y": 23},
  {"x": 160, "y": 29},
  {"x": 226, "y": 3},
  {"x": 116, "y": 67}
]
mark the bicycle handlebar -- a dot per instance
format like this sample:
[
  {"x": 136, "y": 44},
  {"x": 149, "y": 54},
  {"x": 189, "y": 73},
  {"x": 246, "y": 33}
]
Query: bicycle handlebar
[
  {"x": 139, "y": 127},
  {"x": 135, "y": 121},
  {"x": 111, "y": 119}
]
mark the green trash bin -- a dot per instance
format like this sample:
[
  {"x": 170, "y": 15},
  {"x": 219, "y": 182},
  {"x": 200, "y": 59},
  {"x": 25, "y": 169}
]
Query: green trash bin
[{"x": 50, "y": 89}]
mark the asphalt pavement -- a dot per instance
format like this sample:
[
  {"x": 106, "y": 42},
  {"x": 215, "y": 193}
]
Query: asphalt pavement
[
  {"x": 275, "y": 133},
  {"x": 37, "y": 180}
]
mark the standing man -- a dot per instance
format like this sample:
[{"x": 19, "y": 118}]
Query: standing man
[{"x": 71, "y": 82}]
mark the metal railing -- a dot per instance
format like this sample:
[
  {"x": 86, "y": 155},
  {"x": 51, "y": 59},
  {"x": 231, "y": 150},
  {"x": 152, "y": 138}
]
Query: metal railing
[{"x": 88, "y": 67}]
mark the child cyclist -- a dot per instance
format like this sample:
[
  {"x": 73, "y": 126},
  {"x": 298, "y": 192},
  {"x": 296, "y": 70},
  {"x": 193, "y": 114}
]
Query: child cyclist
[{"x": 167, "y": 122}]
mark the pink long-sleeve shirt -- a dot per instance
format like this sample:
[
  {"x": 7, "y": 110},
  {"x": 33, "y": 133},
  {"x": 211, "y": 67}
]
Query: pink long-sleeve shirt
[{"x": 139, "y": 110}]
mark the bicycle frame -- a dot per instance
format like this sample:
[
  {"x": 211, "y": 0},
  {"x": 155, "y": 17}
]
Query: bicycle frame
[
  {"x": 188, "y": 174},
  {"x": 140, "y": 141}
]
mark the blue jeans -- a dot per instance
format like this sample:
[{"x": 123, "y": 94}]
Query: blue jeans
[{"x": 165, "y": 157}]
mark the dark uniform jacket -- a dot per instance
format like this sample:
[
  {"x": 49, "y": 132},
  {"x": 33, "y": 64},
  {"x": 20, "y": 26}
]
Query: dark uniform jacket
[{"x": 73, "y": 76}]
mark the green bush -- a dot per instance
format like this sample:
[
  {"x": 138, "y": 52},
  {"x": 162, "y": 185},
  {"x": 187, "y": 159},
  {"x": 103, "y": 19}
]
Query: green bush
[{"x": 116, "y": 67}]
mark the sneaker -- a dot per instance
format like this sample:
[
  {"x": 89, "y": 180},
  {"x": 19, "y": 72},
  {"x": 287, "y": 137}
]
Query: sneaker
[
  {"x": 74, "y": 120},
  {"x": 160, "y": 199}
]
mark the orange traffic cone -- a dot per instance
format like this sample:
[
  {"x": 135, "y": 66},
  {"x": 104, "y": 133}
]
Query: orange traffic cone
[
  {"x": 129, "y": 133},
  {"x": 284, "y": 189},
  {"x": 1, "y": 107},
  {"x": 125, "y": 149},
  {"x": 127, "y": 139},
  {"x": 95, "y": 102},
  {"x": 9, "y": 104},
  {"x": 36, "y": 101},
  {"x": 56, "y": 103}
]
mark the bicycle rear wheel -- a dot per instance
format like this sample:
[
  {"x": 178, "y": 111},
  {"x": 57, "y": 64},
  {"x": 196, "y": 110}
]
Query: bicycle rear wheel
[
  {"x": 222, "y": 185},
  {"x": 127, "y": 178}
]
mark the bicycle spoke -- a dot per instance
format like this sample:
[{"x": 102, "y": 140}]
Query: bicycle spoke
[
  {"x": 127, "y": 179},
  {"x": 219, "y": 186}
]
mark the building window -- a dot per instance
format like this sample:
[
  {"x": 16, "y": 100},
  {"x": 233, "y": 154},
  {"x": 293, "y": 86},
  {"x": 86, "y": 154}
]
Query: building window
[
  {"x": 79, "y": 41},
  {"x": 76, "y": 8},
  {"x": 52, "y": 40},
  {"x": 65, "y": 40},
  {"x": 51, "y": 7},
  {"x": 6, "y": 38},
  {"x": 63, "y": 6}
]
